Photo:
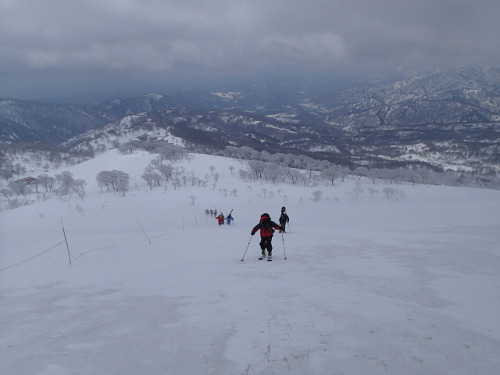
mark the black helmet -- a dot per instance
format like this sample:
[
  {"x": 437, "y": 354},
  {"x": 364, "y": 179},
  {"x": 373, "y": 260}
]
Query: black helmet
[
  {"x": 265, "y": 215},
  {"x": 283, "y": 208}
]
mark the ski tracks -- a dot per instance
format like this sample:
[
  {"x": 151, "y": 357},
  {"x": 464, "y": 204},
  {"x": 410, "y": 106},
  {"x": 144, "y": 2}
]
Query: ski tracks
[{"x": 279, "y": 350}]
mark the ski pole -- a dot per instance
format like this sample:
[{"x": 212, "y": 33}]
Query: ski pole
[
  {"x": 283, "y": 238},
  {"x": 289, "y": 227},
  {"x": 242, "y": 259}
]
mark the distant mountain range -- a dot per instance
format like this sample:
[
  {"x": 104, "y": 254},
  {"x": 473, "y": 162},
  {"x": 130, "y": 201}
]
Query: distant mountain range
[{"x": 444, "y": 119}]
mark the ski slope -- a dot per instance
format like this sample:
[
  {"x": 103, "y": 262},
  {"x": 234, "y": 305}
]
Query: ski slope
[{"x": 374, "y": 283}]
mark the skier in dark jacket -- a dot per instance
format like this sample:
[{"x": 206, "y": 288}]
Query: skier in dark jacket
[
  {"x": 283, "y": 218},
  {"x": 266, "y": 227}
]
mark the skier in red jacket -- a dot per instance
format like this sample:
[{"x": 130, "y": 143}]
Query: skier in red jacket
[
  {"x": 266, "y": 227},
  {"x": 220, "y": 218}
]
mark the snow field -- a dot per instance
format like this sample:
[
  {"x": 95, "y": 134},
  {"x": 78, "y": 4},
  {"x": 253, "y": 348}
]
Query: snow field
[{"x": 370, "y": 285}]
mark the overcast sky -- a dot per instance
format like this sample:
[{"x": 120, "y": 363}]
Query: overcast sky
[{"x": 61, "y": 47}]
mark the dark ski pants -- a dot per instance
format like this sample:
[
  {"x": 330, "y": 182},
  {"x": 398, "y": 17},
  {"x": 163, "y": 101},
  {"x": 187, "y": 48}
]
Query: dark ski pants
[
  {"x": 283, "y": 224},
  {"x": 265, "y": 244}
]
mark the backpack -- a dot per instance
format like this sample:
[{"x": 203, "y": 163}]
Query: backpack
[{"x": 267, "y": 230}]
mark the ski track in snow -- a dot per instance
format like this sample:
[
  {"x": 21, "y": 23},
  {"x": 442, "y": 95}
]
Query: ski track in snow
[{"x": 369, "y": 286}]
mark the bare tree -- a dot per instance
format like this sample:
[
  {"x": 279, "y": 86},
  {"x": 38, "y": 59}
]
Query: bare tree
[
  {"x": 216, "y": 178},
  {"x": 329, "y": 174},
  {"x": 166, "y": 171},
  {"x": 393, "y": 194},
  {"x": 152, "y": 177},
  {"x": 293, "y": 175},
  {"x": 18, "y": 187},
  {"x": 316, "y": 195},
  {"x": 103, "y": 179},
  {"x": 78, "y": 186},
  {"x": 7, "y": 193},
  {"x": 122, "y": 181},
  {"x": 117, "y": 181},
  {"x": 273, "y": 172},
  {"x": 65, "y": 181},
  {"x": 257, "y": 167}
]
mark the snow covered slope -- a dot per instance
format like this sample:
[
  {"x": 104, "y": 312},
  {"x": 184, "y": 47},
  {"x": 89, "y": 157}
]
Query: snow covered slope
[{"x": 379, "y": 279}]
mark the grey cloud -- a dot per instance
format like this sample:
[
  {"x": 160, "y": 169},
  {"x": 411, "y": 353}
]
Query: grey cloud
[{"x": 160, "y": 36}]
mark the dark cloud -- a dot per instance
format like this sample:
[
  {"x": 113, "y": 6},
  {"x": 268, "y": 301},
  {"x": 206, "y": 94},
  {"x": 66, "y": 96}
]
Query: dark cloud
[{"x": 124, "y": 38}]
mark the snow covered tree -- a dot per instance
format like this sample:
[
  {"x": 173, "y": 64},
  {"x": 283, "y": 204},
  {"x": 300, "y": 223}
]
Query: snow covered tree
[
  {"x": 65, "y": 181},
  {"x": 170, "y": 152},
  {"x": 316, "y": 195},
  {"x": 78, "y": 186},
  {"x": 257, "y": 167},
  {"x": 248, "y": 153},
  {"x": 166, "y": 171},
  {"x": 273, "y": 172},
  {"x": 330, "y": 174},
  {"x": 117, "y": 181},
  {"x": 47, "y": 182},
  {"x": 293, "y": 175},
  {"x": 7, "y": 193},
  {"x": 103, "y": 180},
  {"x": 18, "y": 187},
  {"x": 152, "y": 177},
  {"x": 122, "y": 181},
  {"x": 129, "y": 147}
]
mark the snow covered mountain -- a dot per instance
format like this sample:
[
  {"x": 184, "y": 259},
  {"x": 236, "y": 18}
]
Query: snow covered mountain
[
  {"x": 24, "y": 121},
  {"x": 444, "y": 120}
]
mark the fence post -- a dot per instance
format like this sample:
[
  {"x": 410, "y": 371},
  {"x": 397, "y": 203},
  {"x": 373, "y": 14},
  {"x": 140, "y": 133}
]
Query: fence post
[{"x": 66, "y": 240}]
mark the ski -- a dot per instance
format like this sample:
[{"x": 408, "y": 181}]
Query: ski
[{"x": 269, "y": 259}]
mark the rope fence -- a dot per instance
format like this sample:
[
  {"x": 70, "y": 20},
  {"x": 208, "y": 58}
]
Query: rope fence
[
  {"x": 65, "y": 240},
  {"x": 33, "y": 257},
  {"x": 92, "y": 250},
  {"x": 171, "y": 232}
]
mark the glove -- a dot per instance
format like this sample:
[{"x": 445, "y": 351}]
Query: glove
[{"x": 252, "y": 233}]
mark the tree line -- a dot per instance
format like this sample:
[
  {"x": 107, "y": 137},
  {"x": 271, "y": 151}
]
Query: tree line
[{"x": 275, "y": 168}]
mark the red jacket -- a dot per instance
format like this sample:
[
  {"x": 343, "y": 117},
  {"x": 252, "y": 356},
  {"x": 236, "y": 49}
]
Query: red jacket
[{"x": 266, "y": 227}]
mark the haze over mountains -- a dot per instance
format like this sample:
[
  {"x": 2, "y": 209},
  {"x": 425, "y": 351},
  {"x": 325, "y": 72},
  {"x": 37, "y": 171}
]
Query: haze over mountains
[{"x": 442, "y": 119}]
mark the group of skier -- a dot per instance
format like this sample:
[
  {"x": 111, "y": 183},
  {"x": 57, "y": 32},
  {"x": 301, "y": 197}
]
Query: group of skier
[
  {"x": 267, "y": 228},
  {"x": 221, "y": 218}
]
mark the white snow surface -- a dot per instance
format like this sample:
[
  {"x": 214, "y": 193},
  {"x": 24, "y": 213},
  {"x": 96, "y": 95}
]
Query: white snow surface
[{"x": 370, "y": 285}]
